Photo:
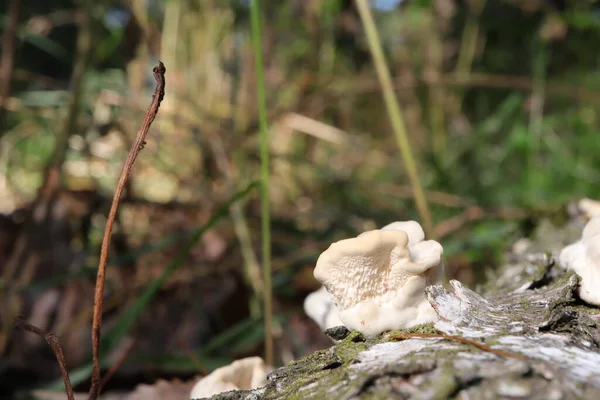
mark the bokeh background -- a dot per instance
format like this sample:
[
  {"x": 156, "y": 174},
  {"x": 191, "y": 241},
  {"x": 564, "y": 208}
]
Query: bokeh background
[{"x": 500, "y": 99}]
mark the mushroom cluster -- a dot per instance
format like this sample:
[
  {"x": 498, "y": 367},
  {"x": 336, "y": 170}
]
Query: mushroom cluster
[
  {"x": 378, "y": 279},
  {"x": 583, "y": 257}
]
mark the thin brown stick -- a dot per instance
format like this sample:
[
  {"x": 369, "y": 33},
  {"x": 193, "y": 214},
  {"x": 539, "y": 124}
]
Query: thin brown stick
[
  {"x": 7, "y": 59},
  {"x": 476, "y": 213},
  {"x": 514, "y": 82},
  {"x": 52, "y": 340},
  {"x": 138, "y": 145},
  {"x": 460, "y": 339},
  {"x": 433, "y": 196},
  {"x": 194, "y": 358}
]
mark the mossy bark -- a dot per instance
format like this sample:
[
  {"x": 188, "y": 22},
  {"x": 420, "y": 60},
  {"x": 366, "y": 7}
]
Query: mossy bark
[{"x": 539, "y": 341}]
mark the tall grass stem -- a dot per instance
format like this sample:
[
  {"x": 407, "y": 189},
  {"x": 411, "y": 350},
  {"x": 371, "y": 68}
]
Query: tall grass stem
[
  {"x": 264, "y": 170},
  {"x": 394, "y": 113}
]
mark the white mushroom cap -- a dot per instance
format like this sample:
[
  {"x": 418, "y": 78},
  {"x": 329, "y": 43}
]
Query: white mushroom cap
[
  {"x": 247, "y": 373},
  {"x": 319, "y": 306},
  {"x": 419, "y": 248},
  {"x": 589, "y": 207},
  {"x": 592, "y": 228},
  {"x": 583, "y": 257},
  {"x": 378, "y": 279},
  {"x": 412, "y": 228}
]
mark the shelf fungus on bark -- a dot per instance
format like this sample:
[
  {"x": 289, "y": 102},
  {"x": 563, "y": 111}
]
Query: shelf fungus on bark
[
  {"x": 320, "y": 307},
  {"x": 583, "y": 257},
  {"x": 589, "y": 207},
  {"x": 378, "y": 279},
  {"x": 247, "y": 373}
]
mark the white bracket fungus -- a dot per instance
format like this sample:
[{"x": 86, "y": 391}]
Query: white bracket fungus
[
  {"x": 247, "y": 373},
  {"x": 590, "y": 208},
  {"x": 583, "y": 257},
  {"x": 378, "y": 279},
  {"x": 319, "y": 306}
]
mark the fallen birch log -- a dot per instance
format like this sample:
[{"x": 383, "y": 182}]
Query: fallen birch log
[{"x": 527, "y": 335}]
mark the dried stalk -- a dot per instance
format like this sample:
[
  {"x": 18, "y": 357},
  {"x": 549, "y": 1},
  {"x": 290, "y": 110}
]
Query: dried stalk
[
  {"x": 138, "y": 145},
  {"x": 55, "y": 346},
  {"x": 117, "y": 364},
  {"x": 395, "y": 114}
]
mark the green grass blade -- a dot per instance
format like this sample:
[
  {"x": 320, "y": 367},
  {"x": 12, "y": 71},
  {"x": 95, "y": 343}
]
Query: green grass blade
[
  {"x": 49, "y": 46},
  {"x": 264, "y": 193},
  {"x": 127, "y": 319}
]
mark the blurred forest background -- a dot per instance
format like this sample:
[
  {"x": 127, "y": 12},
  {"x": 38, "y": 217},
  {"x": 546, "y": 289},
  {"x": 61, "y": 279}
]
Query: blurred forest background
[{"x": 501, "y": 100}]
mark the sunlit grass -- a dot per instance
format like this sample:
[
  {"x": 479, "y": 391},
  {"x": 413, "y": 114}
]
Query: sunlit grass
[{"x": 394, "y": 112}]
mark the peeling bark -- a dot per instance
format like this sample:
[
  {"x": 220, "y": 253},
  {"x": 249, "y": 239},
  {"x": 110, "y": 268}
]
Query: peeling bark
[{"x": 550, "y": 341}]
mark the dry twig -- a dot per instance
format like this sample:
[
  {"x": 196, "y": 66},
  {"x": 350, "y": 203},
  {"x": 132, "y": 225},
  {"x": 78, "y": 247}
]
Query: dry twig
[
  {"x": 460, "y": 339},
  {"x": 116, "y": 365},
  {"x": 138, "y": 145},
  {"x": 476, "y": 213},
  {"x": 53, "y": 342}
]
